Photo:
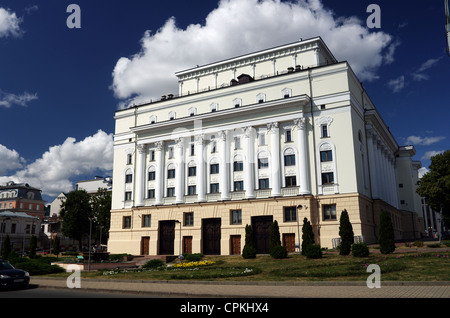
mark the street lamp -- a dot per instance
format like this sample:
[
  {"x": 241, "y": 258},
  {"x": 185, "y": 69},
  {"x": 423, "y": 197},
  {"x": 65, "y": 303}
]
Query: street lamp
[
  {"x": 180, "y": 257},
  {"x": 299, "y": 207},
  {"x": 89, "y": 246}
]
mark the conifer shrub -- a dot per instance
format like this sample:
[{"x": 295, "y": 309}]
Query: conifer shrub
[
  {"x": 275, "y": 248},
  {"x": 307, "y": 235},
  {"x": 313, "y": 251},
  {"x": 386, "y": 234},
  {"x": 249, "y": 250},
  {"x": 360, "y": 250},
  {"x": 346, "y": 233}
]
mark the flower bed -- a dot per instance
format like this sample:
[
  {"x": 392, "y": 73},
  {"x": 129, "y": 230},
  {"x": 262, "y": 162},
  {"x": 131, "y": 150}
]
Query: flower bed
[{"x": 192, "y": 264}]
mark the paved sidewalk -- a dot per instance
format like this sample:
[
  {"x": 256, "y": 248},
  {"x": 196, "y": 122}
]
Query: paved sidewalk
[{"x": 260, "y": 289}]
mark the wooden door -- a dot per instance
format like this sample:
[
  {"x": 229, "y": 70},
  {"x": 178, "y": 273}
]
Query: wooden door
[
  {"x": 289, "y": 242},
  {"x": 211, "y": 236},
  {"x": 166, "y": 237},
  {"x": 261, "y": 233},
  {"x": 187, "y": 244},
  {"x": 235, "y": 244},
  {"x": 145, "y": 245}
]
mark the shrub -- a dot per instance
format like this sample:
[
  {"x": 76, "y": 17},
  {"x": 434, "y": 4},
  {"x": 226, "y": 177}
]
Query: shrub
[
  {"x": 193, "y": 257},
  {"x": 386, "y": 234},
  {"x": 249, "y": 252},
  {"x": 278, "y": 252},
  {"x": 37, "y": 267},
  {"x": 418, "y": 243},
  {"x": 154, "y": 263},
  {"x": 346, "y": 233},
  {"x": 307, "y": 235},
  {"x": 360, "y": 250},
  {"x": 313, "y": 251}
]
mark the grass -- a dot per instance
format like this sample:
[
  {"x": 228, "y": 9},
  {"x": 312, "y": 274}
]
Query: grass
[{"x": 429, "y": 266}]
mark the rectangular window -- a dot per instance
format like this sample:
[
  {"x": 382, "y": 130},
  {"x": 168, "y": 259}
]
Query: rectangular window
[
  {"x": 237, "y": 142},
  {"x": 263, "y": 163},
  {"x": 170, "y": 192},
  {"x": 214, "y": 168},
  {"x": 189, "y": 219},
  {"x": 151, "y": 175},
  {"x": 128, "y": 178},
  {"x": 152, "y": 155},
  {"x": 192, "y": 190},
  {"x": 214, "y": 188},
  {"x": 288, "y": 135},
  {"x": 289, "y": 160},
  {"x": 128, "y": 196},
  {"x": 327, "y": 178},
  {"x": 290, "y": 214},
  {"x": 236, "y": 216},
  {"x": 192, "y": 149},
  {"x": 326, "y": 156},
  {"x": 147, "y": 220},
  {"x": 126, "y": 222},
  {"x": 238, "y": 185},
  {"x": 170, "y": 173},
  {"x": 324, "y": 129},
  {"x": 329, "y": 212},
  {"x": 192, "y": 171},
  {"x": 129, "y": 159},
  {"x": 238, "y": 166},
  {"x": 263, "y": 183},
  {"x": 151, "y": 194},
  {"x": 291, "y": 181},
  {"x": 13, "y": 228}
]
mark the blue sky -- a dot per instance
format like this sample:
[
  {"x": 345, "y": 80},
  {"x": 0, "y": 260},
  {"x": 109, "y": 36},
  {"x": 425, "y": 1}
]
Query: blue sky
[{"x": 60, "y": 87}]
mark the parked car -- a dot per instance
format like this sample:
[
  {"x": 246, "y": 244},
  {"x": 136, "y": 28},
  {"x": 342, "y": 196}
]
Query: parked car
[{"x": 9, "y": 276}]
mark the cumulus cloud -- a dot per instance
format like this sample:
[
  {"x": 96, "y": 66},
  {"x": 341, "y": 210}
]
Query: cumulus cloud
[
  {"x": 9, "y": 24},
  {"x": 423, "y": 141},
  {"x": 397, "y": 84},
  {"x": 260, "y": 24},
  {"x": 9, "y": 160},
  {"x": 7, "y": 99},
  {"x": 431, "y": 153},
  {"x": 54, "y": 171}
]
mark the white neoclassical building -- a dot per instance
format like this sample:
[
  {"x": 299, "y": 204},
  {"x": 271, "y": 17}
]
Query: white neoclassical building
[{"x": 247, "y": 141}]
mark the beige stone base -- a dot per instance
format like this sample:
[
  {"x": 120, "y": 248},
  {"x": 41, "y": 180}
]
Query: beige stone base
[{"x": 363, "y": 212}]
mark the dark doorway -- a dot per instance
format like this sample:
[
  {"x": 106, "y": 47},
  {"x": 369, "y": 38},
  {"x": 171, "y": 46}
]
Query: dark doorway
[
  {"x": 211, "y": 236},
  {"x": 235, "y": 244},
  {"x": 166, "y": 237},
  {"x": 187, "y": 244},
  {"x": 261, "y": 233},
  {"x": 145, "y": 245}
]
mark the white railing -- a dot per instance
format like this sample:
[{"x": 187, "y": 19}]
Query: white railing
[
  {"x": 290, "y": 191},
  {"x": 265, "y": 193}
]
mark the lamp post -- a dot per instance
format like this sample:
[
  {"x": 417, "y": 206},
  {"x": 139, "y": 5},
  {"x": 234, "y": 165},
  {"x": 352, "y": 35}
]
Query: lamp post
[
  {"x": 89, "y": 246},
  {"x": 180, "y": 257},
  {"x": 299, "y": 207}
]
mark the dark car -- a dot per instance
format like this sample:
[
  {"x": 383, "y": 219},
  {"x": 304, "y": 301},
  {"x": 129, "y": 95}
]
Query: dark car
[{"x": 9, "y": 276}]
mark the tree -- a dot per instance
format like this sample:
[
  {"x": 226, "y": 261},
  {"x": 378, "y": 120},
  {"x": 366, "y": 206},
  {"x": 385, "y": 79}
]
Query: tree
[
  {"x": 75, "y": 212},
  {"x": 6, "y": 248},
  {"x": 275, "y": 248},
  {"x": 386, "y": 233},
  {"x": 249, "y": 250},
  {"x": 56, "y": 246},
  {"x": 101, "y": 208},
  {"x": 346, "y": 233},
  {"x": 33, "y": 245},
  {"x": 435, "y": 184},
  {"x": 307, "y": 235}
]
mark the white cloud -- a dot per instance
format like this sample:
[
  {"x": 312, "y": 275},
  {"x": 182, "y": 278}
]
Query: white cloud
[
  {"x": 54, "y": 170},
  {"x": 431, "y": 153},
  {"x": 423, "y": 141},
  {"x": 9, "y": 24},
  {"x": 418, "y": 74},
  {"x": 9, "y": 160},
  {"x": 422, "y": 171},
  {"x": 237, "y": 27},
  {"x": 8, "y": 99},
  {"x": 397, "y": 84}
]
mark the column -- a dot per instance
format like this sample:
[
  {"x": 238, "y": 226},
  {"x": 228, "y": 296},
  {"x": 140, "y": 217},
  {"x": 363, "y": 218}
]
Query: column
[
  {"x": 159, "y": 174},
  {"x": 179, "y": 173},
  {"x": 249, "y": 180},
  {"x": 304, "y": 182},
  {"x": 199, "y": 151},
  {"x": 275, "y": 158},
  {"x": 372, "y": 162},
  {"x": 223, "y": 168},
  {"x": 381, "y": 181},
  {"x": 140, "y": 175}
]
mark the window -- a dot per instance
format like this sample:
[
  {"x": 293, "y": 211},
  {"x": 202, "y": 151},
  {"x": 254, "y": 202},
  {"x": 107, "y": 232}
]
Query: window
[
  {"x": 238, "y": 166},
  {"x": 151, "y": 194},
  {"x": 291, "y": 181},
  {"x": 287, "y": 92},
  {"x": 263, "y": 183},
  {"x": 152, "y": 155},
  {"x": 237, "y": 142},
  {"x": 192, "y": 171},
  {"x": 172, "y": 115},
  {"x": 263, "y": 163},
  {"x": 237, "y": 102},
  {"x": 289, "y": 160},
  {"x": 213, "y": 107},
  {"x": 171, "y": 152},
  {"x": 288, "y": 135},
  {"x": 170, "y": 173},
  {"x": 327, "y": 177},
  {"x": 324, "y": 130},
  {"x": 147, "y": 220},
  {"x": 192, "y": 189},
  {"x": 170, "y": 192},
  {"x": 326, "y": 156},
  {"x": 129, "y": 159},
  {"x": 152, "y": 119},
  {"x": 290, "y": 214},
  {"x": 128, "y": 196},
  {"x": 213, "y": 145},
  {"x": 13, "y": 228},
  {"x": 214, "y": 168},
  {"x": 189, "y": 219},
  {"x": 192, "y": 111},
  {"x": 151, "y": 175},
  {"x": 329, "y": 212},
  {"x": 262, "y": 138},
  {"x": 128, "y": 178},
  {"x": 238, "y": 185},
  {"x": 236, "y": 216},
  {"x": 126, "y": 222},
  {"x": 192, "y": 150},
  {"x": 214, "y": 188}
]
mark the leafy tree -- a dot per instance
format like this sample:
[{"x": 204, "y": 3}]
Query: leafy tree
[
  {"x": 275, "y": 248},
  {"x": 6, "y": 248},
  {"x": 386, "y": 233},
  {"x": 75, "y": 212},
  {"x": 249, "y": 250},
  {"x": 435, "y": 184},
  {"x": 346, "y": 233},
  {"x": 101, "y": 208},
  {"x": 307, "y": 235},
  {"x": 33, "y": 245}
]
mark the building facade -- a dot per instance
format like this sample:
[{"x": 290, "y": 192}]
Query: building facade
[
  {"x": 21, "y": 197},
  {"x": 281, "y": 134}
]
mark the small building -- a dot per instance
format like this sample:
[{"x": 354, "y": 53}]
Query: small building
[
  {"x": 20, "y": 227},
  {"x": 21, "y": 197},
  {"x": 91, "y": 186}
]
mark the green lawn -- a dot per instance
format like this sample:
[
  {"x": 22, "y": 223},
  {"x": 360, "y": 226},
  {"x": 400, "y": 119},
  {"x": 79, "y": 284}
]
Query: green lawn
[{"x": 429, "y": 266}]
